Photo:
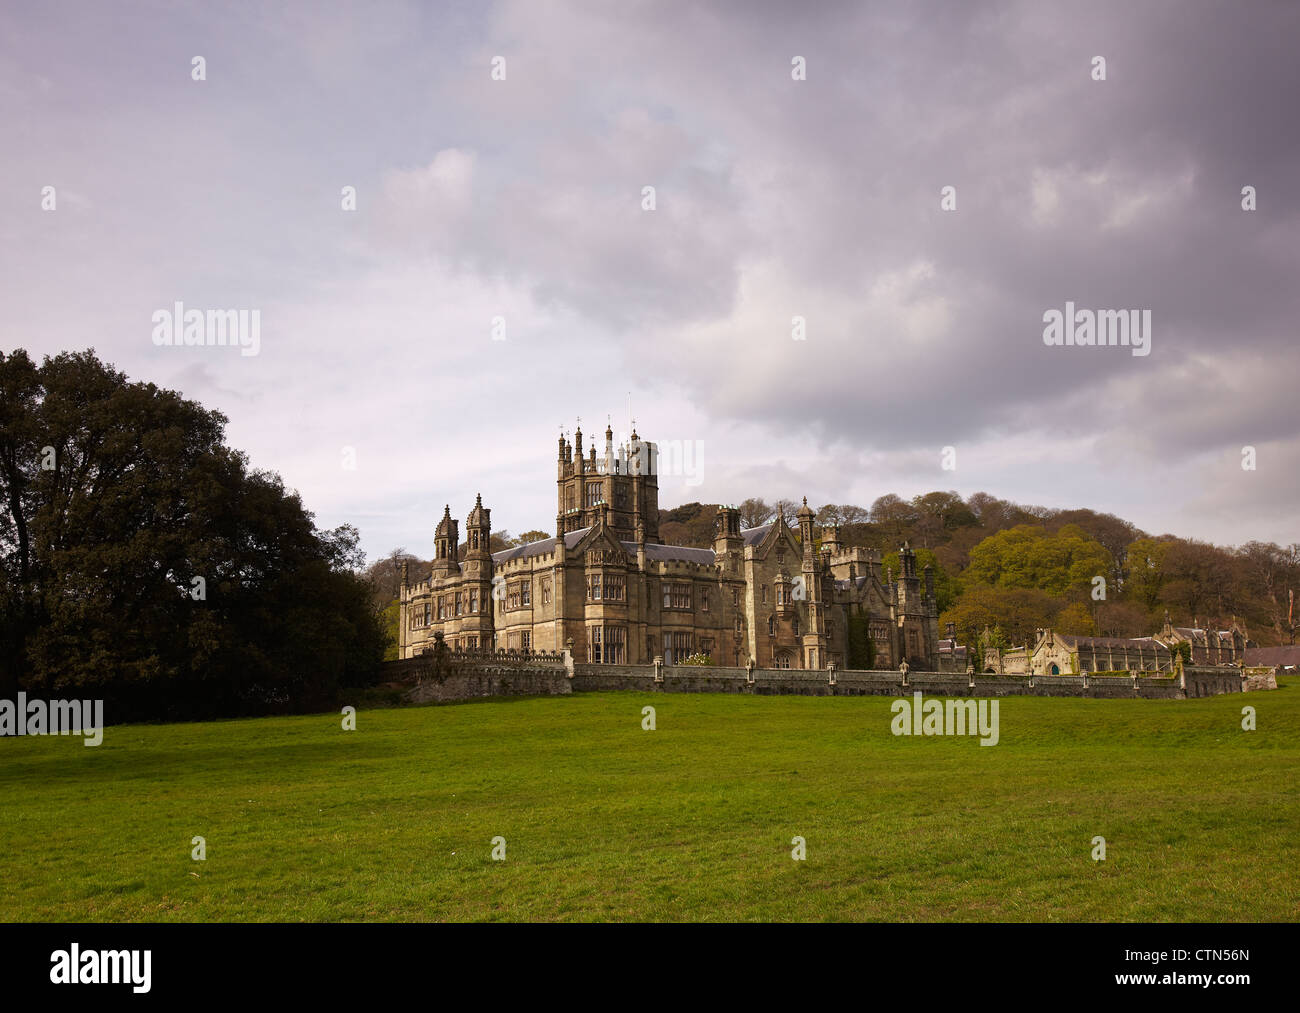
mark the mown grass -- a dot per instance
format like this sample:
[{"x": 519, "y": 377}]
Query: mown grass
[{"x": 693, "y": 821}]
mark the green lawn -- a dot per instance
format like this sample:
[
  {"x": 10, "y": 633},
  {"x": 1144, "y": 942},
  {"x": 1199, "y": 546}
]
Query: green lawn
[{"x": 693, "y": 821}]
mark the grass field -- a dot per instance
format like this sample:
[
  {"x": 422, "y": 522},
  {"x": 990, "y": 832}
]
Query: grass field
[{"x": 692, "y": 821}]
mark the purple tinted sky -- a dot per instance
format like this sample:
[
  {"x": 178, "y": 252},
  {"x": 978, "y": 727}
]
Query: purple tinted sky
[{"x": 521, "y": 198}]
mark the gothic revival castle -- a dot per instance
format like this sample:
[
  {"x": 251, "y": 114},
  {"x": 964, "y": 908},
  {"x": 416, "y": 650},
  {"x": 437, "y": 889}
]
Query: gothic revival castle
[{"x": 606, "y": 588}]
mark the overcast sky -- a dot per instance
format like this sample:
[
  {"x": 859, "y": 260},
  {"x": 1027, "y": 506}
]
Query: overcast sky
[{"x": 522, "y": 198}]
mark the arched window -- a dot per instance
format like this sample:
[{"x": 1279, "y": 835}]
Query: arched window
[{"x": 771, "y": 626}]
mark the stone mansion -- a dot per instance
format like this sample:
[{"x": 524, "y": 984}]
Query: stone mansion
[{"x": 607, "y": 589}]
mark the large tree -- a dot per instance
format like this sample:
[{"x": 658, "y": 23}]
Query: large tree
[
  {"x": 1026, "y": 557},
  {"x": 145, "y": 563}
]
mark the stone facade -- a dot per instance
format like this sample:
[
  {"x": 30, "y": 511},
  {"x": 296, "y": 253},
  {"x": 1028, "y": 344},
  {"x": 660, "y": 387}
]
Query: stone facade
[{"x": 608, "y": 590}]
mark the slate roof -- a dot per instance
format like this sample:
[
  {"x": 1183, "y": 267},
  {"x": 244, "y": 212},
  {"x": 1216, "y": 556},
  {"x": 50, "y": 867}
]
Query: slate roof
[
  {"x": 1196, "y": 633},
  {"x": 753, "y": 536},
  {"x": 672, "y": 553},
  {"x": 653, "y": 550},
  {"x": 538, "y": 548},
  {"x": 1077, "y": 641},
  {"x": 1288, "y": 654}
]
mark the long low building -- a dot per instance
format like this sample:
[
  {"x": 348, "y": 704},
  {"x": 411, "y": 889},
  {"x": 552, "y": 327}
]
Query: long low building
[{"x": 1068, "y": 654}]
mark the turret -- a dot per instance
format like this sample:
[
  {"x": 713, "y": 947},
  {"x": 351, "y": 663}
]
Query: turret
[
  {"x": 447, "y": 540},
  {"x": 478, "y": 528},
  {"x": 726, "y": 532},
  {"x": 806, "y": 517}
]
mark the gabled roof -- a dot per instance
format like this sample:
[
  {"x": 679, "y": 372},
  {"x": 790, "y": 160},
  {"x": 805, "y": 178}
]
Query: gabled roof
[{"x": 753, "y": 536}]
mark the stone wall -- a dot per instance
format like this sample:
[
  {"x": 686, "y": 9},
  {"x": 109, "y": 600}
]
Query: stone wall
[
  {"x": 468, "y": 676},
  {"x": 1197, "y": 682},
  {"x": 1260, "y": 678}
]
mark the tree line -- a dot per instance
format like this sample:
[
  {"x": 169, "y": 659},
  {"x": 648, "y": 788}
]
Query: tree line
[
  {"x": 1012, "y": 568},
  {"x": 1017, "y": 568}
]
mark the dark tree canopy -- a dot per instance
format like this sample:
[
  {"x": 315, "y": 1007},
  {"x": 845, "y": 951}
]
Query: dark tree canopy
[{"x": 145, "y": 563}]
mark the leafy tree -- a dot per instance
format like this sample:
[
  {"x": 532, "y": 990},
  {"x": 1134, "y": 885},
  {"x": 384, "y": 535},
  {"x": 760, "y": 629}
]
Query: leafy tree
[
  {"x": 144, "y": 562},
  {"x": 1027, "y": 557},
  {"x": 1075, "y": 619},
  {"x": 1146, "y": 570}
]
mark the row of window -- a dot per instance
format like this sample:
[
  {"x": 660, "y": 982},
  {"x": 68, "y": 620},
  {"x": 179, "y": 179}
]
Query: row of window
[
  {"x": 445, "y": 606},
  {"x": 519, "y": 594},
  {"x": 678, "y": 596},
  {"x": 593, "y": 494},
  {"x": 600, "y": 587},
  {"x": 606, "y": 587},
  {"x": 784, "y": 594},
  {"x": 606, "y": 645}
]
